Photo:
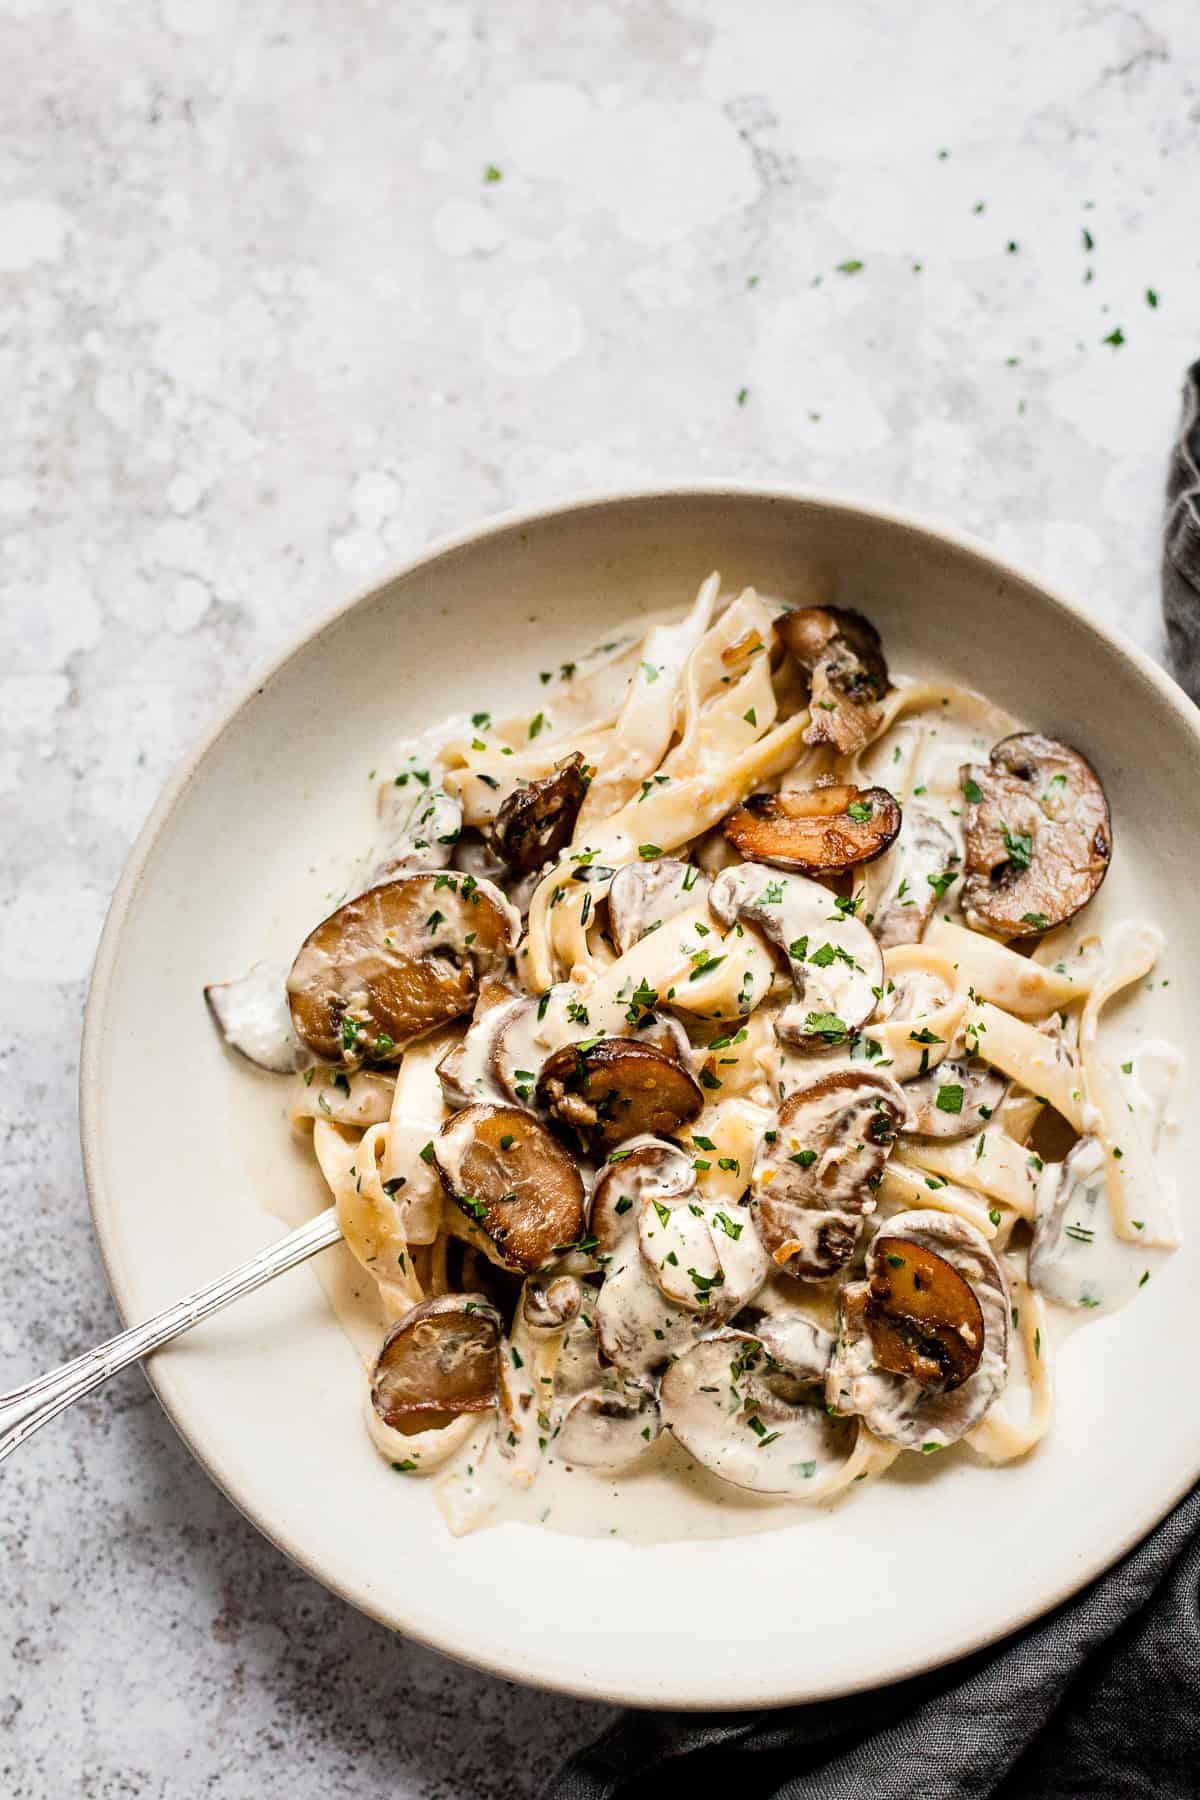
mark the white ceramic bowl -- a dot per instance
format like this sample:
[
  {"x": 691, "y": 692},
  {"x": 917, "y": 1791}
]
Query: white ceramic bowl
[{"x": 182, "y": 1144}]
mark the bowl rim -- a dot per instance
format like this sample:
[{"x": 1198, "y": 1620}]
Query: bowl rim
[{"x": 542, "y": 1674}]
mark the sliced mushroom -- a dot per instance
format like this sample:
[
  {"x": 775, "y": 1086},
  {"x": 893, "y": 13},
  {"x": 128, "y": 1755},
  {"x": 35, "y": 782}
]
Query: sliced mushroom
[
  {"x": 646, "y": 1211},
  {"x": 473, "y": 855},
  {"x": 816, "y": 830},
  {"x": 940, "y": 1389},
  {"x": 751, "y": 1422},
  {"x": 616, "y": 1088},
  {"x": 608, "y": 1427},
  {"x": 418, "y": 833},
  {"x": 551, "y": 1303},
  {"x": 396, "y": 962},
  {"x": 1072, "y": 1214},
  {"x": 441, "y": 1359},
  {"x": 644, "y": 895},
  {"x": 535, "y": 823},
  {"x": 923, "y": 1318},
  {"x": 924, "y": 856},
  {"x": 514, "y": 1179},
  {"x": 815, "y": 1174},
  {"x": 467, "y": 1071},
  {"x": 643, "y": 1168},
  {"x": 840, "y": 652},
  {"x": 836, "y": 965},
  {"x": 253, "y": 1017},
  {"x": 954, "y": 1100},
  {"x": 793, "y": 1341},
  {"x": 1038, "y": 836}
]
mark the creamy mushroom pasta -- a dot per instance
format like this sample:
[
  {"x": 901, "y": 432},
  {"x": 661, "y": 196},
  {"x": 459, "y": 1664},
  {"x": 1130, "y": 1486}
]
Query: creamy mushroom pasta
[{"x": 710, "y": 1057}]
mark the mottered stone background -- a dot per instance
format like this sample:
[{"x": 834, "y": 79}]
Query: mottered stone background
[{"x": 267, "y": 325}]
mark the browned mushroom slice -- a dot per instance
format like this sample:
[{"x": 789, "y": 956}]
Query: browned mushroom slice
[
  {"x": 645, "y": 895},
  {"x": 535, "y": 823},
  {"x": 815, "y": 1174},
  {"x": 611, "y": 1089},
  {"x": 924, "y": 1319},
  {"x": 915, "y": 1358},
  {"x": 1038, "y": 836},
  {"x": 840, "y": 652},
  {"x": 514, "y": 1179},
  {"x": 955, "y": 1099},
  {"x": 396, "y": 962},
  {"x": 441, "y": 1359},
  {"x": 816, "y": 830},
  {"x": 921, "y": 867}
]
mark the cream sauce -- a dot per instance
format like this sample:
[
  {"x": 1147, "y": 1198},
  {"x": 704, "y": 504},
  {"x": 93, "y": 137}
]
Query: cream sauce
[{"x": 954, "y": 994}]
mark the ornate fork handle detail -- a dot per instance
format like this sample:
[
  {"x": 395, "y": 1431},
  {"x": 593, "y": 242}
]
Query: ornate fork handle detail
[{"x": 26, "y": 1408}]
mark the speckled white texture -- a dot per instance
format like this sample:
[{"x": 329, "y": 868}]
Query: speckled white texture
[{"x": 265, "y": 326}]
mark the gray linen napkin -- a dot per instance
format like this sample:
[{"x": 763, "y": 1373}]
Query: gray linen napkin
[
  {"x": 1181, "y": 548},
  {"x": 1100, "y": 1700}
]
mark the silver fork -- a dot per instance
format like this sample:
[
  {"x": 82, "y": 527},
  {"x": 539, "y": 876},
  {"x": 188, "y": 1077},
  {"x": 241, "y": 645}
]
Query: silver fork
[{"x": 26, "y": 1408}]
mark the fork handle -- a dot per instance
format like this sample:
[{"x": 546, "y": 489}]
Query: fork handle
[{"x": 26, "y": 1408}]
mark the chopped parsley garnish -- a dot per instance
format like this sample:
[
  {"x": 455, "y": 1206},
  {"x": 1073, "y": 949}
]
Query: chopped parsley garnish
[
  {"x": 427, "y": 1153},
  {"x": 860, "y": 811},
  {"x": 939, "y": 883},
  {"x": 949, "y": 1098},
  {"x": 972, "y": 790},
  {"x": 805, "y": 1158},
  {"x": 536, "y": 723},
  {"x": 1019, "y": 845},
  {"x": 732, "y": 1228},
  {"x": 828, "y": 1026},
  {"x": 1039, "y": 921},
  {"x": 648, "y": 851}
]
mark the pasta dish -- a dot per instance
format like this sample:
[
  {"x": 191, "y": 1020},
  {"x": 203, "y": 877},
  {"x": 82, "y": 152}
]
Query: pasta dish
[{"x": 706, "y": 1061}]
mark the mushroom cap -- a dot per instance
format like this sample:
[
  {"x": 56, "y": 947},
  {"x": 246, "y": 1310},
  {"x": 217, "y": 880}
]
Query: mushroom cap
[
  {"x": 923, "y": 1318},
  {"x": 674, "y": 1265},
  {"x": 818, "y": 831},
  {"x": 611, "y": 1089},
  {"x": 815, "y": 1180},
  {"x": 800, "y": 1347},
  {"x": 440, "y": 1359},
  {"x": 395, "y": 963},
  {"x": 1038, "y": 837},
  {"x": 645, "y": 894},
  {"x": 511, "y": 1176},
  {"x": 467, "y": 1070},
  {"x": 535, "y": 823},
  {"x": 751, "y": 1422},
  {"x": 254, "y": 1018},
  {"x": 607, "y": 1427},
  {"x": 924, "y": 854},
  {"x": 419, "y": 832},
  {"x": 955, "y": 1099},
  {"x": 895, "y": 1406},
  {"x": 836, "y": 965},
  {"x": 841, "y": 654},
  {"x": 550, "y": 1303},
  {"x": 644, "y": 1167}
]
